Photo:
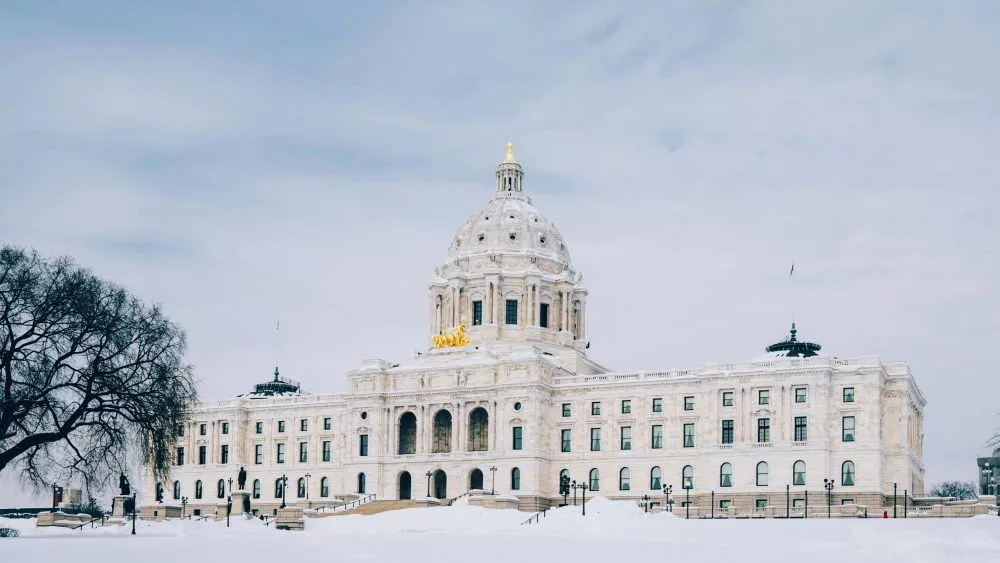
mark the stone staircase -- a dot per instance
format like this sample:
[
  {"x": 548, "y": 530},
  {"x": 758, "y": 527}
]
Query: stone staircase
[{"x": 377, "y": 506}]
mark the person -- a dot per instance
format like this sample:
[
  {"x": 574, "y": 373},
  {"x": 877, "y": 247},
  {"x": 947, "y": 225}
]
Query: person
[{"x": 885, "y": 514}]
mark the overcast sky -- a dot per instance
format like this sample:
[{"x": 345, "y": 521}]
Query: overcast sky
[{"x": 241, "y": 162}]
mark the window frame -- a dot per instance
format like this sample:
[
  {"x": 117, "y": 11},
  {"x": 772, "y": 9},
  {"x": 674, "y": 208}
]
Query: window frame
[
  {"x": 477, "y": 312},
  {"x": 517, "y": 438},
  {"x": 279, "y": 452},
  {"x": 729, "y": 432},
  {"x": 726, "y": 478},
  {"x": 689, "y": 402},
  {"x": 804, "y": 395},
  {"x": 731, "y": 395},
  {"x": 510, "y": 312},
  {"x": 625, "y": 438},
  {"x": 624, "y": 479},
  {"x": 657, "y": 404},
  {"x": 844, "y": 436},
  {"x": 766, "y": 474},
  {"x": 848, "y": 395},
  {"x": 802, "y": 436},
  {"x": 626, "y": 406},
  {"x": 763, "y": 430},
  {"x": 326, "y": 450},
  {"x": 258, "y": 454},
  {"x": 567, "y": 410},
  {"x": 566, "y": 440},
  {"x": 656, "y": 437},
  {"x": 595, "y": 439},
  {"x": 763, "y": 396},
  {"x": 362, "y": 445},
  {"x": 688, "y": 437},
  {"x": 595, "y": 408}
]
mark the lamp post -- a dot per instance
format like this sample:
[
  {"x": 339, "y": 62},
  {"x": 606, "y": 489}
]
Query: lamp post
[
  {"x": 828, "y": 485},
  {"x": 583, "y": 488},
  {"x": 687, "y": 497},
  {"x": 667, "y": 489},
  {"x": 574, "y": 487},
  {"x": 284, "y": 485},
  {"x": 134, "y": 510},
  {"x": 645, "y": 503},
  {"x": 229, "y": 508},
  {"x": 307, "y": 485},
  {"x": 428, "y": 474},
  {"x": 713, "y": 504},
  {"x": 55, "y": 495},
  {"x": 906, "y": 494},
  {"x": 986, "y": 476},
  {"x": 184, "y": 502},
  {"x": 893, "y": 499},
  {"x": 493, "y": 487},
  {"x": 788, "y": 501}
]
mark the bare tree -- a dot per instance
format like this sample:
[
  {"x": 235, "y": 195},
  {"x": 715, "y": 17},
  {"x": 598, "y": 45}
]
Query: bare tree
[
  {"x": 91, "y": 378},
  {"x": 959, "y": 490},
  {"x": 994, "y": 442}
]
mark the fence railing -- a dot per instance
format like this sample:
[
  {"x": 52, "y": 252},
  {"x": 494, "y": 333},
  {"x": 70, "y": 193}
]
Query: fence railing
[{"x": 536, "y": 517}]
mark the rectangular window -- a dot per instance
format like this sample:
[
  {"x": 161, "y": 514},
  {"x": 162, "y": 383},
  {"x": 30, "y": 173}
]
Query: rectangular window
[
  {"x": 203, "y": 429},
  {"x": 800, "y": 429},
  {"x": 846, "y": 501},
  {"x": 363, "y": 445},
  {"x": 725, "y": 504},
  {"x": 626, "y": 438},
  {"x": 727, "y": 431},
  {"x": 727, "y": 398},
  {"x": 326, "y": 450},
  {"x": 798, "y": 503},
  {"x": 202, "y": 455},
  {"x": 595, "y": 408},
  {"x": 260, "y": 428},
  {"x": 565, "y": 410},
  {"x": 760, "y": 503},
  {"x": 280, "y": 457},
  {"x": 848, "y": 394},
  {"x": 543, "y": 315},
  {"x": 657, "y": 437},
  {"x": 566, "y": 436},
  {"x": 763, "y": 397},
  {"x": 180, "y": 456},
  {"x": 180, "y": 430},
  {"x": 848, "y": 429},
  {"x": 689, "y": 435},
  {"x": 763, "y": 430},
  {"x": 224, "y": 454},
  {"x": 327, "y": 424},
  {"x": 517, "y": 438},
  {"x": 281, "y": 426},
  {"x": 689, "y": 403},
  {"x": 258, "y": 454},
  {"x": 477, "y": 313},
  {"x": 658, "y": 405},
  {"x": 595, "y": 439},
  {"x": 627, "y": 406},
  {"x": 304, "y": 425},
  {"x": 512, "y": 311},
  {"x": 225, "y": 428},
  {"x": 303, "y": 452},
  {"x": 800, "y": 394}
]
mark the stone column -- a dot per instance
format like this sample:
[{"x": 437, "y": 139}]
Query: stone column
[
  {"x": 496, "y": 304},
  {"x": 583, "y": 320},
  {"x": 537, "y": 304},
  {"x": 457, "y": 435},
  {"x": 488, "y": 305}
]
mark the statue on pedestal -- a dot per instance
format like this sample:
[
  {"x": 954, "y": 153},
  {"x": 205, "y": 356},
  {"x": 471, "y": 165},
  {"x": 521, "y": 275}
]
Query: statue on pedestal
[
  {"x": 242, "y": 478},
  {"x": 126, "y": 490}
]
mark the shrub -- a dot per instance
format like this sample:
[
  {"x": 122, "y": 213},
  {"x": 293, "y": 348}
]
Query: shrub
[{"x": 8, "y": 533}]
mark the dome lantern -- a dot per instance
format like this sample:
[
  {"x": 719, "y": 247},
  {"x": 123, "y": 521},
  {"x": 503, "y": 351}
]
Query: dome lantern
[{"x": 510, "y": 176}]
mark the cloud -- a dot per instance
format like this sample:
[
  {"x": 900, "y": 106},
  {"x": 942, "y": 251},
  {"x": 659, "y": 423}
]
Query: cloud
[{"x": 312, "y": 163}]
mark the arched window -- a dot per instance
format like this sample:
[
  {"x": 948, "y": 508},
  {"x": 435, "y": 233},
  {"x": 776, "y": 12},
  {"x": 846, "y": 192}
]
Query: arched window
[
  {"x": 197, "y": 489},
  {"x": 408, "y": 434},
  {"x": 595, "y": 480},
  {"x": 361, "y": 483},
  {"x": 479, "y": 430},
  {"x": 655, "y": 479},
  {"x": 799, "y": 473},
  {"x": 847, "y": 474},
  {"x": 256, "y": 488},
  {"x": 515, "y": 479},
  {"x": 324, "y": 487},
  {"x": 177, "y": 490},
  {"x": 623, "y": 479},
  {"x": 762, "y": 473},
  {"x": 687, "y": 477},
  {"x": 301, "y": 492},
  {"x": 220, "y": 488},
  {"x": 441, "y": 441},
  {"x": 278, "y": 490},
  {"x": 726, "y": 475}
]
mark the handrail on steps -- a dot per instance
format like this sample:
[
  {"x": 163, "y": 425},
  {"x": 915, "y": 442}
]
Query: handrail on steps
[{"x": 536, "y": 516}]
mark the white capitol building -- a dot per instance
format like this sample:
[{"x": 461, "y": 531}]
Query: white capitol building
[{"x": 521, "y": 404}]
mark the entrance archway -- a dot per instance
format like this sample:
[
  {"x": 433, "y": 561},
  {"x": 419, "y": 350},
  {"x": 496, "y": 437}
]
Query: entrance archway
[
  {"x": 404, "y": 485},
  {"x": 476, "y": 479},
  {"x": 440, "y": 484}
]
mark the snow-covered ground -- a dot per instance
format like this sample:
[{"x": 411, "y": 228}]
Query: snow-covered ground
[{"x": 611, "y": 531}]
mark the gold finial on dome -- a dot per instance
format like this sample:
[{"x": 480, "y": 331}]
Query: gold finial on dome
[{"x": 510, "y": 153}]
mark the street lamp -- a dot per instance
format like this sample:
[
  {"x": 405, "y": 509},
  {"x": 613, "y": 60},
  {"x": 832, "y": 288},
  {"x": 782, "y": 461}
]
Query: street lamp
[
  {"x": 493, "y": 487},
  {"x": 828, "y": 485},
  {"x": 184, "y": 502},
  {"x": 56, "y": 490},
  {"x": 667, "y": 489},
  {"x": 645, "y": 503},
  {"x": 229, "y": 508},
  {"x": 574, "y": 487},
  {"x": 583, "y": 489},
  {"x": 893, "y": 499},
  {"x": 135, "y": 509},
  {"x": 307, "y": 485},
  {"x": 284, "y": 485},
  {"x": 688, "y": 485},
  {"x": 428, "y": 484}
]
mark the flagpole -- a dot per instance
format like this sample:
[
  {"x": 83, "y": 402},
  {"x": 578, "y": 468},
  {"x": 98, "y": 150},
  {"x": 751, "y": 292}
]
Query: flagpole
[{"x": 791, "y": 281}]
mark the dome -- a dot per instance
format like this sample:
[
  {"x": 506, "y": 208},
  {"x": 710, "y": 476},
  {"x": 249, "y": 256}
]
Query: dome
[{"x": 509, "y": 223}]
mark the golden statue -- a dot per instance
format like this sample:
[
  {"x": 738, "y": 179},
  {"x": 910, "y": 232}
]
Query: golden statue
[
  {"x": 454, "y": 339},
  {"x": 510, "y": 154}
]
